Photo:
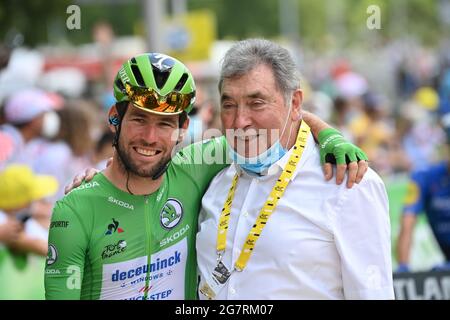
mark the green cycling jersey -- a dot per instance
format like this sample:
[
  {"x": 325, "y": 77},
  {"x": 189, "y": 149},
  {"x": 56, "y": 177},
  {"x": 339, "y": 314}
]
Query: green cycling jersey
[{"x": 105, "y": 243}]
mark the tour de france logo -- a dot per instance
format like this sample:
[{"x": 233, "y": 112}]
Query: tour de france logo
[{"x": 171, "y": 213}]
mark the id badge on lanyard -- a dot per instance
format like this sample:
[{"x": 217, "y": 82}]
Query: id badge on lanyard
[{"x": 215, "y": 281}]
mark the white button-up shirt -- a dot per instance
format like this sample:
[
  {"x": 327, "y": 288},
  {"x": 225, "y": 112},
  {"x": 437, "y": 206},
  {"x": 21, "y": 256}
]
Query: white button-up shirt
[{"x": 323, "y": 241}]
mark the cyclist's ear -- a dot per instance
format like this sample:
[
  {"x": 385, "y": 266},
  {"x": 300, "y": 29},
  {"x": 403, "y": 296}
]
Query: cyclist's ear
[{"x": 113, "y": 118}]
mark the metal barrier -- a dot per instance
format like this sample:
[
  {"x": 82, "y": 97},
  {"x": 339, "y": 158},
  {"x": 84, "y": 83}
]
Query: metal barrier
[{"x": 431, "y": 285}]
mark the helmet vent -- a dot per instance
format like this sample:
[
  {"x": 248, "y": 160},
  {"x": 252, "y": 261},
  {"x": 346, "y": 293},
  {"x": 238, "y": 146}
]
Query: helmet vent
[
  {"x": 137, "y": 75},
  {"x": 181, "y": 82},
  {"x": 160, "y": 76},
  {"x": 120, "y": 85}
]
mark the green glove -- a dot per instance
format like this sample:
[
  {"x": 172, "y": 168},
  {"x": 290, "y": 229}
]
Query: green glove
[{"x": 335, "y": 149}]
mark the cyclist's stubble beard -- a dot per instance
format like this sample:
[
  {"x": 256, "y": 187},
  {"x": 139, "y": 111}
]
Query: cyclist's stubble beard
[{"x": 127, "y": 163}]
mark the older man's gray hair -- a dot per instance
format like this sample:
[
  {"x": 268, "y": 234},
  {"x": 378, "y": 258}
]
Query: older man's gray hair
[{"x": 245, "y": 55}]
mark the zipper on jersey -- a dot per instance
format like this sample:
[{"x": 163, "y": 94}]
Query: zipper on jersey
[
  {"x": 147, "y": 244},
  {"x": 149, "y": 207}
]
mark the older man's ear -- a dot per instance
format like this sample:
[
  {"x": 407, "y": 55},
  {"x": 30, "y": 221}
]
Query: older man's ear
[{"x": 297, "y": 99}]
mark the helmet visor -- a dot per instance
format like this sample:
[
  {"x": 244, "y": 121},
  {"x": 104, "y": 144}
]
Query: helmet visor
[{"x": 150, "y": 100}]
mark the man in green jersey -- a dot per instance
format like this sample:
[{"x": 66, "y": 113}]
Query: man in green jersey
[{"x": 129, "y": 233}]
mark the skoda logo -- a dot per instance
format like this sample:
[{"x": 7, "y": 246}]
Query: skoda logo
[
  {"x": 52, "y": 255},
  {"x": 171, "y": 213}
]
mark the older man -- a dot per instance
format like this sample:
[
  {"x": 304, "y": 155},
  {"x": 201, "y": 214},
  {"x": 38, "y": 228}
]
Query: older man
[{"x": 271, "y": 227}]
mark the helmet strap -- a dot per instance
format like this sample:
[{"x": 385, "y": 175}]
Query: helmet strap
[
  {"x": 161, "y": 171},
  {"x": 127, "y": 169}
]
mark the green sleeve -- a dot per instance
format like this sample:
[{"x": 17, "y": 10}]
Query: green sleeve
[
  {"x": 67, "y": 243},
  {"x": 203, "y": 160}
]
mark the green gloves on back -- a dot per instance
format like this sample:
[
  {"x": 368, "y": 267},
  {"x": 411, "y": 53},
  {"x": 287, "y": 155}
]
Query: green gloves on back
[{"x": 336, "y": 150}]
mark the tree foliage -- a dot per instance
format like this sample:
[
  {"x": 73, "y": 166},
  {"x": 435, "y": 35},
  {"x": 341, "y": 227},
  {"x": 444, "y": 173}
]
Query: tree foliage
[{"x": 42, "y": 21}]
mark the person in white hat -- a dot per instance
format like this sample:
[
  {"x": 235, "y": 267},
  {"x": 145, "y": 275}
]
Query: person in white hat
[{"x": 28, "y": 115}]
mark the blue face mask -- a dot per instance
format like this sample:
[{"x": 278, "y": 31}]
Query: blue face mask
[
  {"x": 261, "y": 162},
  {"x": 264, "y": 160}
]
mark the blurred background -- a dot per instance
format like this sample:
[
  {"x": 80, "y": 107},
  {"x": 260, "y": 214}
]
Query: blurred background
[{"x": 377, "y": 70}]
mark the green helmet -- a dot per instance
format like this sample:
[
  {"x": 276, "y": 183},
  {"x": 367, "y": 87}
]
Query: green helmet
[{"x": 156, "y": 83}]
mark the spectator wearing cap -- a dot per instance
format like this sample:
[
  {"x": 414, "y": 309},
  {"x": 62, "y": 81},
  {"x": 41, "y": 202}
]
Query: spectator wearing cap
[
  {"x": 27, "y": 115},
  {"x": 19, "y": 189}
]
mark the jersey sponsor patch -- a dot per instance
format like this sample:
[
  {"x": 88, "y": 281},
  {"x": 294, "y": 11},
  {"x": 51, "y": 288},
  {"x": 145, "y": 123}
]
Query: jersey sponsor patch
[
  {"x": 441, "y": 203},
  {"x": 52, "y": 254},
  {"x": 163, "y": 295},
  {"x": 174, "y": 237},
  {"x": 113, "y": 228},
  {"x": 412, "y": 193},
  {"x": 59, "y": 224},
  {"x": 171, "y": 213},
  {"x": 52, "y": 271},
  {"x": 120, "y": 203},
  {"x": 137, "y": 279},
  {"x": 114, "y": 249},
  {"x": 88, "y": 185}
]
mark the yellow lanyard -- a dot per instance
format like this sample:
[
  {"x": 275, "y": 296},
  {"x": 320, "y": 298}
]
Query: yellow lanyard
[{"x": 268, "y": 208}]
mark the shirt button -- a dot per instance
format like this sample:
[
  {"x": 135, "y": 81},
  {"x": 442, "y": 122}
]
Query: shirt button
[
  {"x": 232, "y": 291},
  {"x": 246, "y": 214}
]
